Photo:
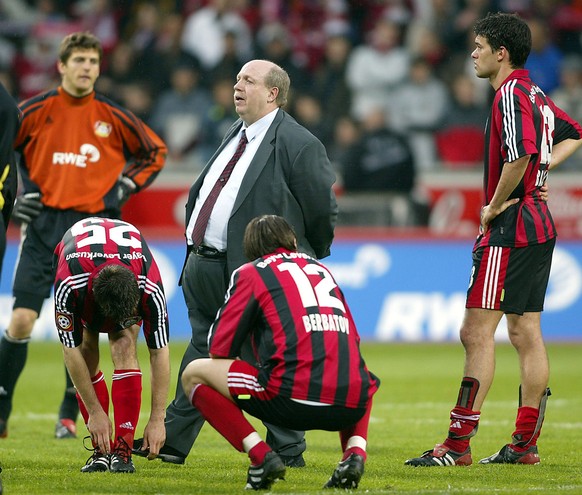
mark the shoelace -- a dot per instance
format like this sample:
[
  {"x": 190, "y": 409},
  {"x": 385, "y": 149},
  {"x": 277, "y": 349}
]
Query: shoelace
[
  {"x": 96, "y": 452},
  {"x": 122, "y": 449}
]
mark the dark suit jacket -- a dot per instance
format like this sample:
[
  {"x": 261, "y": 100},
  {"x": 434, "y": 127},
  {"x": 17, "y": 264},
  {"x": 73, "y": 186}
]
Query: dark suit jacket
[{"x": 290, "y": 176}]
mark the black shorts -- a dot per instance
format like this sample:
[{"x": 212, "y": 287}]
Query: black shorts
[
  {"x": 34, "y": 275},
  {"x": 512, "y": 280},
  {"x": 282, "y": 411}
]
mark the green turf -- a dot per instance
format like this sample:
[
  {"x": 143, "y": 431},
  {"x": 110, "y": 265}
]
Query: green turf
[{"x": 419, "y": 386}]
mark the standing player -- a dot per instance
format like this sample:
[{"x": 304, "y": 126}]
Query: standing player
[
  {"x": 310, "y": 373},
  {"x": 10, "y": 118},
  {"x": 81, "y": 155},
  {"x": 108, "y": 282},
  {"x": 526, "y": 134}
]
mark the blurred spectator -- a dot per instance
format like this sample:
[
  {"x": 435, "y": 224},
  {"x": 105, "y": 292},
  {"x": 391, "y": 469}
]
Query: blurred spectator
[
  {"x": 566, "y": 22},
  {"x": 418, "y": 108},
  {"x": 308, "y": 112},
  {"x": 204, "y": 30},
  {"x": 229, "y": 64},
  {"x": 378, "y": 177},
  {"x": 422, "y": 41},
  {"x": 439, "y": 16},
  {"x": 307, "y": 24},
  {"x": 329, "y": 80},
  {"x": 568, "y": 96},
  {"x": 544, "y": 60},
  {"x": 274, "y": 44},
  {"x": 98, "y": 17},
  {"x": 380, "y": 160},
  {"x": 142, "y": 37},
  {"x": 7, "y": 53},
  {"x": 35, "y": 67},
  {"x": 218, "y": 119},
  {"x": 18, "y": 11},
  {"x": 346, "y": 134},
  {"x": 118, "y": 72},
  {"x": 137, "y": 97},
  {"x": 463, "y": 21},
  {"x": 343, "y": 57},
  {"x": 375, "y": 68},
  {"x": 167, "y": 51},
  {"x": 365, "y": 13},
  {"x": 465, "y": 109},
  {"x": 178, "y": 113}
]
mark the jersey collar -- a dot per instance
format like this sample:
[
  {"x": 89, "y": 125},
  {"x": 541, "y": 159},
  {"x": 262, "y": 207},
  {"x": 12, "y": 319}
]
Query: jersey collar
[{"x": 76, "y": 101}]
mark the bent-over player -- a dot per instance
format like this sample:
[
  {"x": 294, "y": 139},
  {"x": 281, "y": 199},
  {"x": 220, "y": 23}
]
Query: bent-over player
[{"x": 108, "y": 282}]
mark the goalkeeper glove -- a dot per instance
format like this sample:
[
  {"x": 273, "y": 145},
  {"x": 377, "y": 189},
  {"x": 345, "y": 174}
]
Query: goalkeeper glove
[
  {"x": 27, "y": 207},
  {"x": 125, "y": 187}
]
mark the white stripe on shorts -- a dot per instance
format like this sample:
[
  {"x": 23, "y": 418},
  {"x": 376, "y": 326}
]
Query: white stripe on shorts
[
  {"x": 491, "y": 277},
  {"x": 244, "y": 380}
]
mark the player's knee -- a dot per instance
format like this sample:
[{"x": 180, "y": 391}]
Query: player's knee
[
  {"x": 191, "y": 375},
  {"x": 22, "y": 323}
]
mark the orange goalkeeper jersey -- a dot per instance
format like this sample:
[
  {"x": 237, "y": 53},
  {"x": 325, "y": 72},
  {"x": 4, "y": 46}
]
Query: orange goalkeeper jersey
[{"x": 74, "y": 150}]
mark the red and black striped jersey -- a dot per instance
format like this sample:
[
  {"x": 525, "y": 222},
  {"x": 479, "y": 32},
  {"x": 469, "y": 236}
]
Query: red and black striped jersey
[
  {"x": 302, "y": 331},
  {"x": 523, "y": 121},
  {"x": 73, "y": 150},
  {"x": 88, "y": 246}
]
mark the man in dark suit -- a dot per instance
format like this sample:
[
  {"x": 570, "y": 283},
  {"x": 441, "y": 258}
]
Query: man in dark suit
[{"x": 267, "y": 164}]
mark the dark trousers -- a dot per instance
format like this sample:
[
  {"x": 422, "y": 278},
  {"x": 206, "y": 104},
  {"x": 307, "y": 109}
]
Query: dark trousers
[{"x": 204, "y": 286}]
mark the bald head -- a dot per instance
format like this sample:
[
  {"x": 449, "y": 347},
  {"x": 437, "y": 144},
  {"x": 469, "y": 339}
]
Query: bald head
[{"x": 261, "y": 87}]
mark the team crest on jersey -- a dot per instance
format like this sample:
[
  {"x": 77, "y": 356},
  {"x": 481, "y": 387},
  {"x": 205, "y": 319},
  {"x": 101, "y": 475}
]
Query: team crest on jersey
[
  {"x": 64, "y": 322},
  {"x": 102, "y": 129}
]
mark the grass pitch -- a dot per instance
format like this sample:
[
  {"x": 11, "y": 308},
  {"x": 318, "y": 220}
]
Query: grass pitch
[{"x": 419, "y": 385}]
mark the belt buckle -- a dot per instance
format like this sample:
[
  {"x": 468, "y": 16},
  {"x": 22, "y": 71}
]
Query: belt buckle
[{"x": 208, "y": 252}]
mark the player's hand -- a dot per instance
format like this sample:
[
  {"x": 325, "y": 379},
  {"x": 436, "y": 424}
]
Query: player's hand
[
  {"x": 488, "y": 214},
  {"x": 154, "y": 437},
  {"x": 125, "y": 187},
  {"x": 100, "y": 428},
  {"x": 544, "y": 195},
  {"x": 27, "y": 207}
]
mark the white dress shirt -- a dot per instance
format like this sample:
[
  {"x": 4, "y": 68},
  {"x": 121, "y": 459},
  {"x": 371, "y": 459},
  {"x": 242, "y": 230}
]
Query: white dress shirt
[{"x": 216, "y": 231}]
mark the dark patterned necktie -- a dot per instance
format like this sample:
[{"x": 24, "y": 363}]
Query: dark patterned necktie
[{"x": 206, "y": 210}]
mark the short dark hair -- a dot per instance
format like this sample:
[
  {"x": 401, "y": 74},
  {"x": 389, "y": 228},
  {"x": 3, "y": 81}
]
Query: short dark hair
[
  {"x": 116, "y": 292},
  {"x": 79, "y": 41},
  {"x": 509, "y": 31},
  {"x": 267, "y": 233}
]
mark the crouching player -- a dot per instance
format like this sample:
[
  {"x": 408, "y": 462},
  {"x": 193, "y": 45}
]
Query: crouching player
[
  {"x": 309, "y": 372},
  {"x": 108, "y": 282}
]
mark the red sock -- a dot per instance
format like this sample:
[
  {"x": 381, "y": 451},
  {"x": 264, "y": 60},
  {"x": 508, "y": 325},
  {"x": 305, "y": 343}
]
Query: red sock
[
  {"x": 525, "y": 425},
  {"x": 258, "y": 452},
  {"x": 102, "y": 393},
  {"x": 126, "y": 398},
  {"x": 354, "y": 450},
  {"x": 224, "y": 415},
  {"x": 464, "y": 424},
  {"x": 359, "y": 429}
]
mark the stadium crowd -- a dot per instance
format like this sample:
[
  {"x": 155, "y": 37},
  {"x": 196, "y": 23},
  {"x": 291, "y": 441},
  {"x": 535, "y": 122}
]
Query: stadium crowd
[{"x": 174, "y": 62}]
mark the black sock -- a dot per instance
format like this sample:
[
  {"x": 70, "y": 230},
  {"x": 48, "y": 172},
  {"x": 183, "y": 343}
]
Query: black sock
[
  {"x": 69, "y": 406},
  {"x": 13, "y": 355}
]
